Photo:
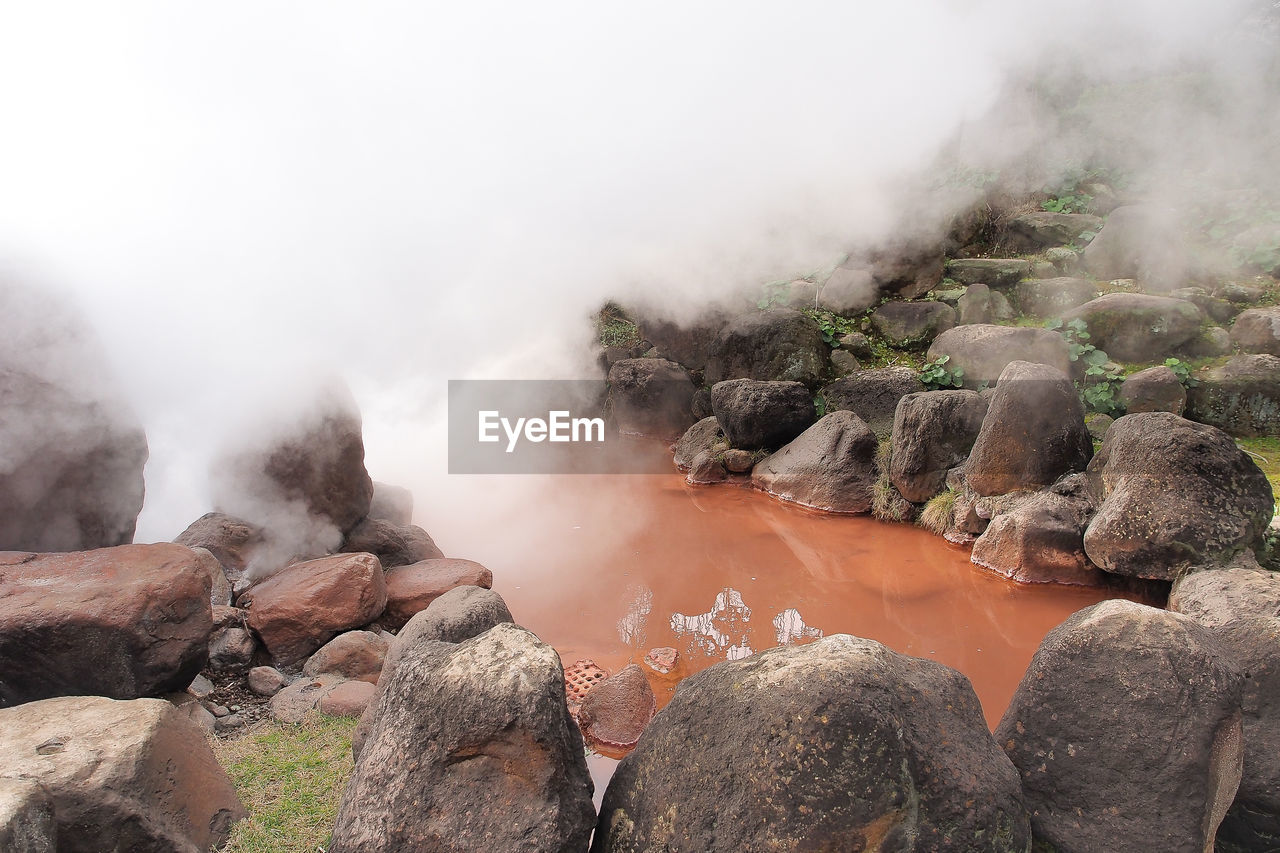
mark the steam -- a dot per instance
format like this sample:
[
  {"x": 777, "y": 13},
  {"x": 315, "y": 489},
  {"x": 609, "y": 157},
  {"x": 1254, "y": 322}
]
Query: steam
[{"x": 241, "y": 196}]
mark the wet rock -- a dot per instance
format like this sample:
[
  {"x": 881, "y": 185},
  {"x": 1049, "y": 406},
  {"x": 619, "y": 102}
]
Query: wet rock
[
  {"x": 912, "y": 324},
  {"x": 1148, "y": 756},
  {"x": 1258, "y": 330},
  {"x": 393, "y": 504},
  {"x": 411, "y": 589},
  {"x": 135, "y": 775},
  {"x": 1041, "y": 229},
  {"x": 1052, "y": 297},
  {"x": 393, "y": 545},
  {"x": 615, "y": 712},
  {"x": 26, "y": 818},
  {"x": 756, "y": 414},
  {"x": 124, "y": 622},
  {"x": 843, "y": 363},
  {"x": 1033, "y": 432},
  {"x": 857, "y": 344},
  {"x": 348, "y": 699},
  {"x": 707, "y": 469},
  {"x": 932, "y": 433},
  {"x": 738, "y": 461},
  {"x": 356, "y": 655},
  {"x": 1241, "y": 397},
  {"x": 830, "y": 466},
  {"x": 303, "y": 606},
  {"x": 229, "y": 539},
  {"x": 470, "y": 741},
  {"x": 873, "y": 395},
  {"x": 1041, "y": 540},
  {"x": 704, "y": 435},
  {"x": 651, "y": 397},
  {"x": 1215, "y": 597},
  {"x": 848, "y": 291},
  {"x": 266, "y": 680},
  {"x": 662, "y": 660},
  {"x": 983, "y": 352},
  {"x": 1156, "y": 389},
  {"x": 1136, "y": 326},
  {"x": 981, "y": 304},
  {"x": 776, "y": 345},
  {"x": 1172, "y": 493},
  {"x": 812, "y": 747},
  {"x": 1139, "y": 242},
  {"x": 995, "y": 272},
  {"x": 291, "y": 704}
]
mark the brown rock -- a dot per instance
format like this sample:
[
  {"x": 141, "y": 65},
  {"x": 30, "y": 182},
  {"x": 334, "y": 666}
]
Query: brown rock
[
  {"x": 26, "y": 818},
  {"x": 1155, "y": 389},
  {"x": 293, "y": 703},
  {"x": 267, "y": 680},
  {"x": 1258, "y": 330},
  {"x": 615, "y": 712},
  {"x": 230, "y": 540},
  {"x": 355, "y": 654},
  {"x": 411, "y": 589},
  {"x": 393, "y": 545},
  {"x": 662, "y": 660},
  {"x": 123, "y": 622},
  {"x": 348, "y": 699},
  {"x": 391, "y": 503},
  {"x": 1040, "y": 541},
  {"x": 305, "y": 605}
]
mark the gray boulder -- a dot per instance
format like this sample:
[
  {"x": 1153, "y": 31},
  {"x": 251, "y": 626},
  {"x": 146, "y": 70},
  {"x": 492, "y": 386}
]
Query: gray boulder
[
  {"x": 1258, "y": 330},
  {"x": 1126, "y": 731},
  {"x": 1042, "y": 229},
  {"x": 932, "y": 433},
  {"x": 1218, "y": 596},
  {"x": 1052, "y": 297},
  {"x": 1156, "y": 389},
  {"x": 1041, "y": 539},
  {"x": 704, "y": 435},
  {"x": 470, "y": 742},
  {"x": 981, "y": 304},
  {"x": 1171, "y": 494},
  {"x": 848, "y": 291},
  {"x": 912, "y": 324},
  {"x": 393, "y": 544},
  {"x": 756, "y": 414},
  {"x": 841, "y": 744},
  {"x": 1241, "y": 397},
  {"x": 780, "y": 344},
  {"x": 983, "y": 352},
  {"x": 830, "y": 466},
  {"x": 873, "y": 395},
  {"x": 651, "y": 397},
  {"x": 1138, "y": 327},
  {"x": 996, "y": 272},
  {"x": 1033, "y": 433}
]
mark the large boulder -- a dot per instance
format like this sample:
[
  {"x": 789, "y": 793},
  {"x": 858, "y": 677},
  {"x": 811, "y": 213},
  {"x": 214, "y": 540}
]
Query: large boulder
[
  {"x": 1258, "y": 330},
  {"x": 684, "y": 342},
  {"x": 470, "y": 741},
  {"x": 873, "y": 395},
  {"x": 1041, "y": 539},
  {"x": 912, "y": 324},
  {"x": 123, "y": 622},
  {"x": 1033, "y": 432},
  {"x": 1171, "y": 494},
  {"x": 393, "y": 544},
  {"x": 780, "y": 344},
  {"x": 229, "y": 539},
  {"x": 26, "y": 818},
  {"x": 983, "y": 352},
  {"x": 1042, "y": 229},
  {"x": 755, "y": 414},
  {"x": 1138, "y": 326},
  {"x": 932, "y": 433},
  {"x": 1052, "y": 297},
  {"x": 841, "y": 744},
  {"x": 1241, "y": 397},
  {"x": 1218, "y": 596},
  {"x": 1156, "y": 389},
  {"x": 995, "y": 272},
  {"x": 136, "y": 775},
  {"x": 651, "y": 397},
  {"x": 1139, "y": 242},
  {"x": 830, "y": 466},
  {"x": 303, "y": 606},
  {"x": 704, "y": 435},
  {"x": 849, "y": 291},
  {"x": 1126, "y": 731},
  {"x": 411, "y": 589}
]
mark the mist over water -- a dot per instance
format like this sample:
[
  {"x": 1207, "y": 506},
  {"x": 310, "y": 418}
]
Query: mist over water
[{"x": 241, "y": 198}]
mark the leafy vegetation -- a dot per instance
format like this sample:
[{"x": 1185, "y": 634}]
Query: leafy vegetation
[
  {"x": 833, "y": 326},
  {"x": 937, "y": 375},
  {"x": 615, "y": 329},
  {"x": 1100, "y": 389},
  {"x": 1182, "y": 370},
  {"x": 1068, "y": 203}
]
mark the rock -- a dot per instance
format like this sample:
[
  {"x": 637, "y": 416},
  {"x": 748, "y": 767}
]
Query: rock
[
  {"x": 124, "y": 622},
  {"x": 843, "y": 363},
  {"x": 1040, "y": 540},
  {"x": 685, "y": 342},
  {"x": 873, "y": 395},
  {"x": 983, "y": 352},
  {"x": 411, "y": 589},
  {"x": 393, "y": 545},
  {"x": 1138, "y": 327},
  {"x": 704, "y": 435},
  {"x": 989, "y": 271},
  {"x": 755, "y": 414},
  {"x": 200, "y": 687},
  {"x": 193, "y": 708},
  {"x": 1240, "y": 294},
  {"x": 701, "y": 404},
  {"x": 1033, "y": 432},
  {"x": 662, "y": 660},
  {"x": 1215, "y": 597},
  {"x": 738, "y": 461},
  {"x": 830, "y": 466},
  {"x": 266, "y": 680},
  {"x": 981, "y": 304},
  {"x": 776, "y": 345},
  {"x": 135, "y": 775},
  {"x": 1241, "y": 397},
  {"x": 1172, "y": 493},
  {"x": 303, "y": 606},
  {"x": 231, "y": 650},
  {"x": 356, "y": 655},
  {"x": 391, "y": 503},
  {"x": 857, "y": 344},
  {"x": 1042, "y": 229},
  {"x": 1210, "y": 343},
  {"x": 933, "y": 432},
  {"x": 1066, "y": 261},
  {"x": 1156, "y": 389},
  {"x": 26, "y": 818},
  {"x": 707, "y": 469},
  {"x": 912, "y": 324},
  {"x": 1126, "y": 731},
  {"x": 228, "y": 723},
  {"x": 220, "y": 589},
  {"x": 1098, "y": 424},
  {"x": 1218, "y": 310},
  {"x": 470, "y": 741},
  {"x": 817, "y": 747},
  {"x": 348, "y": 699},
  {"x": 615, "y": 712},
  {"x": 229, "y": 539},
  {"x": 1139, "y": 242},
  {"x": 906, "y": 269},
  {"x": 1258, "y": 330},
  {"x": 1052, "y": 297},
  {"x": 848, "y": 291},
  {"x": 294, "y": 702},
  {"x": 651, "y": 397}
]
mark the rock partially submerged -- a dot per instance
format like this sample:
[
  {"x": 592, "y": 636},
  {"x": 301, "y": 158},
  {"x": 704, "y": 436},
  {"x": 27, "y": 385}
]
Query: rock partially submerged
[
  {"x": 932, "y": 433},
  {"x": 755, "y": 414},
  {"x": 704, "y": 435},
  {"x": 651, "y": 397},
  {"x": 614, "y": 713},
  {"x": 830, "y": 466},
  {"x": 1041, "y": 540}
]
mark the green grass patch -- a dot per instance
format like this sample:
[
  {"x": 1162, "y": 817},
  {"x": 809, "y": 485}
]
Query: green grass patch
[
  {"x": 937, "y": 514},
  {"x": 1266, "y": 452},
  {"x": 290, "y": 778}
]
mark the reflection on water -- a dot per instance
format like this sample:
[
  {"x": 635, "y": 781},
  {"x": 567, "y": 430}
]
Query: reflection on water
[
  {"x": 721, "y": 631},
  {"x": 791, "y": 628},
  {"x": 631, "y": 625}
]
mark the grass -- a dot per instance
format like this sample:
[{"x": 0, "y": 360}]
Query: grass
[
  {"x": 886, "y": 503},
  {"x": 290, "y": 779},
  {"x": 1266, "y": 452},
  {"x": 937, "y": 513}
]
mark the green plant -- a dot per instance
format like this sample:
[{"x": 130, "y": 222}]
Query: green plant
[
  {"x": 820, "y": 405},
  {"x": 938, "y": 513},
  {"x": 1182, "y": 371},
  {"x": 832, "y": 325},
  {"x": 1076, "y": 202},
  {"x": 1100, "y": 389},
  {"x": 615, "y": 329},
  {"x": 935, "y": 374}
]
